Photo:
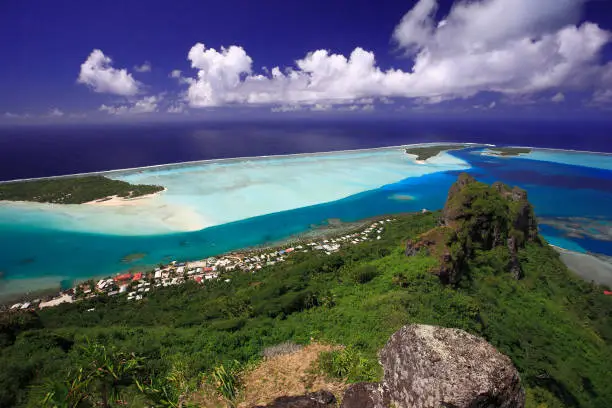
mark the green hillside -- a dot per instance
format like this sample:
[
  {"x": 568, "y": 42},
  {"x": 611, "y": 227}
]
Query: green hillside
[{"x": 556, "y": 328}]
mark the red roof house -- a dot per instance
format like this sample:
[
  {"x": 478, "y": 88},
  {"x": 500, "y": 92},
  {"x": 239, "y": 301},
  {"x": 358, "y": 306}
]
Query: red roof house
[{"x": 123, "y": 277}]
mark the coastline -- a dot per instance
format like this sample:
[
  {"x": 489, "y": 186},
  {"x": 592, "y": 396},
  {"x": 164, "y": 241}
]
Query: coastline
[
  {"x": 113, "y": 201},
  {"x": 562, "y": 150},
  {"x": 239, "y": 158},
  {"x": 332, "y": 229},
  {"x": 187, "y": 221},
  {"x": 106, "y": 201},
  {"x": 289, "y": 155},
  {"x": 587, "y": 266}
]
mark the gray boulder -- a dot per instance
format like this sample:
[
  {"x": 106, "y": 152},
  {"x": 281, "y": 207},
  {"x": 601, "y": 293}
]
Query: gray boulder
[
  {"x": 428, "y": 366},
  {"x": 365, "y": 395}
]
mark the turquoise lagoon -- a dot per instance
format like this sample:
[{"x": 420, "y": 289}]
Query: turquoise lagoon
[{"x": 216, "y": 206}]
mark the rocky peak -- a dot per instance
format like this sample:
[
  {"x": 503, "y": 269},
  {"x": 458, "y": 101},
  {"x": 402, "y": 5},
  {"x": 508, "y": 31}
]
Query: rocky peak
[{"x": 478, "y": 216}]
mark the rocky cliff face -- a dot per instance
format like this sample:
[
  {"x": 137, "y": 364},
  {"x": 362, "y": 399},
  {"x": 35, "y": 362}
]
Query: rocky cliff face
[
  {"x": 478, "y": 216},
  {"x": 432, "y": 367}
]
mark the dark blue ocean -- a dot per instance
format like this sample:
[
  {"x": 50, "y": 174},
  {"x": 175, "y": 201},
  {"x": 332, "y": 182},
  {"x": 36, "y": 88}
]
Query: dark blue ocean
[
  {"x": 33, "y": 151},
  {"x": 33, "y": 256}
]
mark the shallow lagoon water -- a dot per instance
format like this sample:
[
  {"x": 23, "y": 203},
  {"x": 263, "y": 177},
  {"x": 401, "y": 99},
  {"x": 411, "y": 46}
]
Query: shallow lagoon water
[
  {"x": 241, "y": 203},
  {"x": 205, "y": 194}
]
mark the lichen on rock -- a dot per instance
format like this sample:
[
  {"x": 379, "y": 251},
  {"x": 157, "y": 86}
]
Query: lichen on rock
[{"x": 431, "y": 367}]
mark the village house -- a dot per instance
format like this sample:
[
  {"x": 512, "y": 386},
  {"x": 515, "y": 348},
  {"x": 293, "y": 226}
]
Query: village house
[{"x": 136, "y": 286}]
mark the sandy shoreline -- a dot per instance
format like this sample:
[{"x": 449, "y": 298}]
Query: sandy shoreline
[
  {"x": 588, "y": 267},
  {"x": 42, "y": 287},
  {"x": 110, "y": 172},
  {"x": 114, "y": 201}
]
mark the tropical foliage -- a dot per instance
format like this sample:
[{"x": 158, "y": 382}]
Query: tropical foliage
[
  {"x": 424, "y": 153},
  {"x": 556, "y": 328},
  {"x": 72, "y": 190}
]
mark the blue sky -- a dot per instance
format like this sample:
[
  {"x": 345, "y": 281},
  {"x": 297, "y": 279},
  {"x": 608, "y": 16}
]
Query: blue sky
[{"x": 75, "y": 61}]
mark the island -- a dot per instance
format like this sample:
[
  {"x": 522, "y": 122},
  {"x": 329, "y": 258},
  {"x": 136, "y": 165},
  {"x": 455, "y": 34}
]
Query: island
[
  {"x": 409, "y": 296},
  {"x": 424, "y": 153},
  {"x": 73, "y": 190},
  {"x": 508, "y": 151}
]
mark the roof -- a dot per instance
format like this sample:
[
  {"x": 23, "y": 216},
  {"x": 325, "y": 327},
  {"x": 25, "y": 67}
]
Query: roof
[
  {"x": 124, "y": 276},
  {"x": 137, "y": 276}
]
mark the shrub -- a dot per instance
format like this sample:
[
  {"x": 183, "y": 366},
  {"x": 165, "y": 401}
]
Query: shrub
[
  {"x": 348, "y": 364},
  {"x": 365, "y": 274}
]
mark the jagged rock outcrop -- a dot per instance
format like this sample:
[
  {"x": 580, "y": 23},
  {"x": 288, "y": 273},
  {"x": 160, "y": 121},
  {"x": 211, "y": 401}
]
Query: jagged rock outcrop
[
  {"x": 514, "y": 266},
  {"x": 478, "y": 216},
  {"x": 319, "y": 399},
  {"x": 432, "y": 367}
]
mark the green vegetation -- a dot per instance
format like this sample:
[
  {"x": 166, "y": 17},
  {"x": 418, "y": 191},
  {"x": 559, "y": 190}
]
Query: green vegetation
[
  {"x": 72, "y": 190},
  {"x": 509, "y": 151},
  {"x": 350, "y": 364},
  {"x": 477, "y": 216},
  {"x": 227, "y": 381},
  {"x": 424, "y": 153},
  {"x": 556, "y": 328}
]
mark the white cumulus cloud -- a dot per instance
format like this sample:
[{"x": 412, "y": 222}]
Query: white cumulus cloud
[
  {"x": 287, "y": 108},
  {"x": 508, "y": 46},
  {"x": 56, "y": 113},
  {"x": 177, "y": 108},
  {"x": 11, "y": 115},
  {"x": 559, "y": 97},
  {"x": 145, "y": 67},
  {"x": 513, "y": 47},
  {"x": 97, "y": 72},
  {"x": 602, "y": 97},
  {"x": 145, "y": 105}
]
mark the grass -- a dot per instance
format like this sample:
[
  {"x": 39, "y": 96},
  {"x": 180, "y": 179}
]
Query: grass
[{"x": 290, "y": 374}]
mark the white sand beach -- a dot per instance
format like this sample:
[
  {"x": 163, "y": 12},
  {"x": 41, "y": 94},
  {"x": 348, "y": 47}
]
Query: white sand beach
[
  {"x": 587, "y": 266},
  {"x": 115, "y": 201}
]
